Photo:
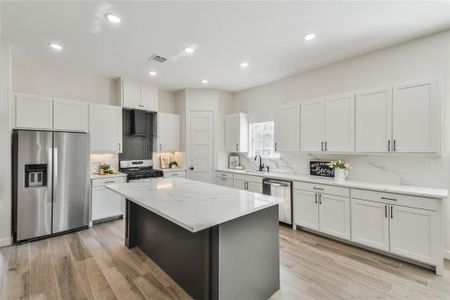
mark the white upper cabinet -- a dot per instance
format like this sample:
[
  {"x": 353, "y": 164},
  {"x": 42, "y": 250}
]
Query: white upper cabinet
[
  {"x": 168, "y": 133},
  {"x": 105, "y": 128},
  {"x": 340, "y": 123},
  {"x": 416, "y": 117},
  {"x": 138, "y": 96},
  {"x": 149, "y": 97},
  {"x": 236, "y": 132},
  {"x": 374, "y": 120},
  {"x": 33, "y": 112},
  {"x": 70, "y": 115},
  {"x": 312, "y": 125},
  {"x": 287, "y": 128}
]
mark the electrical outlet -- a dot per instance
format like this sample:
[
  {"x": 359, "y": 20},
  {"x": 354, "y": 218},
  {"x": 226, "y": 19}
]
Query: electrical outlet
[{"x": 429, "y": 164}]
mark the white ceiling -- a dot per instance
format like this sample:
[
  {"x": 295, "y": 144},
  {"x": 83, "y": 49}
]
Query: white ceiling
[{"x": 269, "y": 35}]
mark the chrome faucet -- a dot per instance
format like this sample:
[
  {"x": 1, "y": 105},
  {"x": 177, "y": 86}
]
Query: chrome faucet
[{"x": 261, "y": 165}]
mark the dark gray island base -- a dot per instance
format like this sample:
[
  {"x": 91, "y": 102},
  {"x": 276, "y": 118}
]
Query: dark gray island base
[{"x": 238, "y": 259}]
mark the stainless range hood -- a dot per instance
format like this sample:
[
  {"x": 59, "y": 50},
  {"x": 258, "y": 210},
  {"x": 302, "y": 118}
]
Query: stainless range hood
[{"x": 138, "y": 120}]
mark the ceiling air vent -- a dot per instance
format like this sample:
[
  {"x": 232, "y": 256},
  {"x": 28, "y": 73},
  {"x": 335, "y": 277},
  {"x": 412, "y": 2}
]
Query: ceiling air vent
[{"x": 157, "y": 58}]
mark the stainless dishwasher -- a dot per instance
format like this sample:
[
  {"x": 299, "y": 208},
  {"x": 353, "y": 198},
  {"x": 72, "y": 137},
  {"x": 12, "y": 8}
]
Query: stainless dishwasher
[{"x": 281, "y": 189}]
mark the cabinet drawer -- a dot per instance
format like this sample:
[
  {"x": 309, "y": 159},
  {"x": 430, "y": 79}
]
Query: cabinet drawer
[
  {"x": 224, "y": 182},
  {"x": 109, "y": 180},
  {"x": 224, "y": 175},
  {"x": 397, "y": 199},
  {"x": 249, "y": 178},
  {"x": 322, "y": 188},
  {"x": 174, "y": 174}
]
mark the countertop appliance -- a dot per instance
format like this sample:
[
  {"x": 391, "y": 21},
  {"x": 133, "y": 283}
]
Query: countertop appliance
[
  {"x": 51, "y": 183},
  {"x": 140, "y": 170},
  {"x": 282, "y": 189}
]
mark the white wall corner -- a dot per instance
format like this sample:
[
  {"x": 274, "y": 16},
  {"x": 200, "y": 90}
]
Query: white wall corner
[
  {"x": 447, "y": 254},
  {"x": 6, "y": 242}
]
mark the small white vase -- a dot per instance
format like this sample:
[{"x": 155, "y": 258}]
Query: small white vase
[{"x": 340, "y": 175}]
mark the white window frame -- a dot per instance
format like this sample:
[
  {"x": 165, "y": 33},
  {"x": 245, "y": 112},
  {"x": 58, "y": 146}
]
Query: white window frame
[{"x": 251, "y": 152}]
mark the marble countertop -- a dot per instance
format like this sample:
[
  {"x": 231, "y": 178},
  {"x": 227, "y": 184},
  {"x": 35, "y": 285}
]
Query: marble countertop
[
  {"x": 389, "y": 188},
  {"x": 193, "y": 205},
  {"x": 98, "y": 176}
]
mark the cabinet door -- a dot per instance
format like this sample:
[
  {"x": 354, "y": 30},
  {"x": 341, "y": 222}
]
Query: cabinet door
[
  {"x": 416, "y": 117},
  {"x": 131, "y": 95},
  {"x": 312, "y": 125},
  {"x": 168, "y": 132},
  {"x": 180, "y": 174},
  {"x": 105, "y": 128},
  {"x": 33, "y": 112},
  {"x": 70, "y": 115},
  {"x": 240, "y": 185},
  {"x": 374, "y": 120},
  {"x": 340, "y": 123},
  {"x": 287, "y": 128},
  {"x": 370, "y": 224},
  {"x": 415, "y": 233},
  {"x": 334, "y": 215},
  {"x": 149, "y": 97},
  {"x": 224, "y": 182},
  {"x": 255, "y": 187},
  {"x": 306, "y": 209},
  {"x": 105, "y": 203},
  {"x": 232, "y": 133}
]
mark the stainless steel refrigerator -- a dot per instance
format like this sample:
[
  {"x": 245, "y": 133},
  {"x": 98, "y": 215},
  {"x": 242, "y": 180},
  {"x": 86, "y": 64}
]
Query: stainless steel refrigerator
[{"x": 51, "y": 183}]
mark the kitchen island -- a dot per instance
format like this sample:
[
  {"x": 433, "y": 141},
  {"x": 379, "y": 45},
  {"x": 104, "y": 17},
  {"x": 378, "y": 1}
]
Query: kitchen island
[{"x": 215, "y": 242}]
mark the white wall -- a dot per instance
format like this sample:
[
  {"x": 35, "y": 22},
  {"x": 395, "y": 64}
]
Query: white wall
[
  {"x": 166, "y": 102},
  {"x": 5, "y": 148},
  {"x": 422, "y": 58}
]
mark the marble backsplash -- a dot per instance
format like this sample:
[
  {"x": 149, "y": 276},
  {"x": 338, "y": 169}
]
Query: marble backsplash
[
  {"x": 419, "y": 170},
  {"x": 106, "y": 158}
]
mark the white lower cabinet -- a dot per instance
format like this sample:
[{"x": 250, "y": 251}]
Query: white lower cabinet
[
  {"x": 370, "y": 224},
  {"x": 403, "y": 225},
  {"x": 224, "y": 179},
  {"x": 334, "y": 215},
  {"x": 173, "y": 174},
  {"x": 326, "y": 213},
  {"x": 248, "y": 183},
  {"x": 415, "y": 233},
  {"x": 305, "y": 209},
  {"x": 106, "y": 203}
]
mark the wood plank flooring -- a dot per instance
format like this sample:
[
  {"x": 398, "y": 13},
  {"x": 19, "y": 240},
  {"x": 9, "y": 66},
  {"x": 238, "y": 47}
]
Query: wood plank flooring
[{"x": 95, "y": 264}]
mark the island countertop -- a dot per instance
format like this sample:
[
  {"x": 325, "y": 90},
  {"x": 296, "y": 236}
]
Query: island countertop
[{"x": 193, "y": 205}]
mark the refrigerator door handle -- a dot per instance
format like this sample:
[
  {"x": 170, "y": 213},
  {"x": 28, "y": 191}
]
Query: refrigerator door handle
[{"x": 54, "y": 172}]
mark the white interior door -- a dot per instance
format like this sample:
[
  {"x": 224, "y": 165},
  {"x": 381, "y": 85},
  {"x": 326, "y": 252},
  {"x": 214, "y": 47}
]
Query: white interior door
[
  {"x": 201, "y": 146},
  {"x": 312, "y": 125},
  {"x": 374, "y": 120},
  {"x": 340, "y": 123}
]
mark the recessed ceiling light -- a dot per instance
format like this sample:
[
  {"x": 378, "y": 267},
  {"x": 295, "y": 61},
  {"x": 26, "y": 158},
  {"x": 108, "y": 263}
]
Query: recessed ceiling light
[
  {"x": 189, "y": 50},
  {"x": 113, "y": 18},
  {"x": 244, "y": 65},
  {"x": 152, "y": 73},
  {"x": 55, "y": 46},
  {"x": 204, "y": 81},
  {"x": 309, "y": 36}
]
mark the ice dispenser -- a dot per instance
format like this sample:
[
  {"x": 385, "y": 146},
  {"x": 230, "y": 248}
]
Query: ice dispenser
[{"x": 35, "y": 175}]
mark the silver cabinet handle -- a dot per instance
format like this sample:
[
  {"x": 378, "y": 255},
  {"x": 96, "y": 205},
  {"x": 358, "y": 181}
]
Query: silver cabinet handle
[
  {"x": 392, "y": 212},
  {"x": 326, "y": 146},
  {"x": 316, "y": 188},
  {"x": 389, "y": 199},
  {"x": 160, "y": 147},
  {"x": 322, "y": 145},
  {"x": 119, "y": 146},
  {"x": 315, "y": 198},
  {"x": 237, "y": 147},
  {"x": 389, "y": 145},
  {"x": 385, "y": 211},
  {"x": 394, "y": 145},
  {"x": 320, "y": 199},
  {"x": 109, "y": 181},
  {"x": 276, "y": 146}
]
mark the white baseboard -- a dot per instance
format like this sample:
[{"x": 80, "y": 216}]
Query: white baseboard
[
  {"x": 447, "y": 254},
  {"x": 6, "y": 242}
]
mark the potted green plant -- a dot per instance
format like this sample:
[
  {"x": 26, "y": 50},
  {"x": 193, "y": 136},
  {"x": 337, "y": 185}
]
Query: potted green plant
[
  {"x": 340, "y": 168},
  {"x": 173, "y": 165}
]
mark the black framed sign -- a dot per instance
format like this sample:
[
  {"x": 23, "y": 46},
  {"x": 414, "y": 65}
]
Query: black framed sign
[{"x": 320, "y": 168}]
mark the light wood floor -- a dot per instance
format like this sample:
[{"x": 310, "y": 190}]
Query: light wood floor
[{"x": 94, "y": 264}]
